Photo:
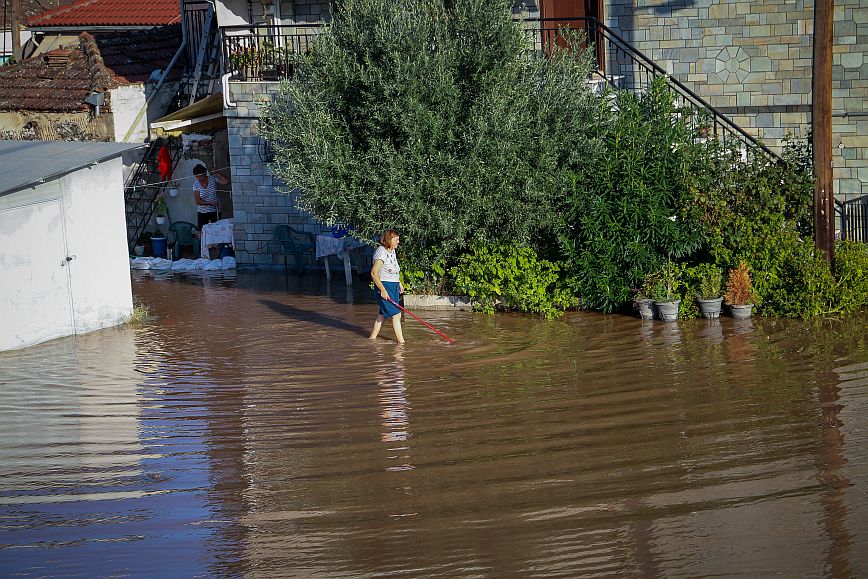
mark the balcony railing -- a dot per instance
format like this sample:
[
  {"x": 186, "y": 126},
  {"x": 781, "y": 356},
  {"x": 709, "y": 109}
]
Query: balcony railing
[
  {"x": 265, "y": 53},
  {"x": 268, "y": 53},
  {"x": 853, "y": 215}
]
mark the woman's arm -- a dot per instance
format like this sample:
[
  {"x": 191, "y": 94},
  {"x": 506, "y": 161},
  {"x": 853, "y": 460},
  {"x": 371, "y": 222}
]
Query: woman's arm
[
  {"x": 375, "y": 275},
  {"x": 199, "y": 200}
]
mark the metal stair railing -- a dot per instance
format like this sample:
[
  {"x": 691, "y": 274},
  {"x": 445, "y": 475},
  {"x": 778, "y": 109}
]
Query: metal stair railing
[
  {"x": 853, "y": 214},
  {"x": 142, "y": 189},
  {"x": 623, "y": 66}
]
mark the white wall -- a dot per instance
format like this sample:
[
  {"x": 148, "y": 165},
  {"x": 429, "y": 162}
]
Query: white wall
[
  {"x": 81, "y": 216},
  {"x": 232, "y": 12},
  {"x": 127, "y": 102}
]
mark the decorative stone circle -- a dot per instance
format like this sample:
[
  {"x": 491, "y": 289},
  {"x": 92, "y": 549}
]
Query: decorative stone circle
[{"x": 732, "y": 63}]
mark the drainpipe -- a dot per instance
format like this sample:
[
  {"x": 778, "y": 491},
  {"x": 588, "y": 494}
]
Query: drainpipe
[{"x": 224, "y": 81}]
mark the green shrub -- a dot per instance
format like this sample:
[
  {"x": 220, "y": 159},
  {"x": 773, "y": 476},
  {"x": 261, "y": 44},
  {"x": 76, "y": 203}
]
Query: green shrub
[
  {"x": 435, "y": 119},
  {"x": 632, "y": 204},
  {"x": 425, "y": 274},
  {"x": 511, "y": 277},
  {"x": 706, "y": 281},
  {"x": 851, "y": 276}
]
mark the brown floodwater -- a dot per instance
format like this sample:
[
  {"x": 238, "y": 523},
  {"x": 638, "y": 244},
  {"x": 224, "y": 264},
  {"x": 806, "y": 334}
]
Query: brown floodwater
[{"x": 251, "y": 428}]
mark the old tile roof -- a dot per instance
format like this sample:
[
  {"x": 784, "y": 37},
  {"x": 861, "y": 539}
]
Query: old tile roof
[
  {"x": 57, "y": 81},
  {"x": 133, "y": 55},
  {"x": 83, "y": 13}
]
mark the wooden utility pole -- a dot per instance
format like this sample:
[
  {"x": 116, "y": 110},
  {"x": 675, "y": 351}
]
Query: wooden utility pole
[
  {"x": 821, "y": 121},
  {"x": 15, "y": 13}
]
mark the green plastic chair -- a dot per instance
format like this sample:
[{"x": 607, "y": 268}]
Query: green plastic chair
[
  {"x": 287, "y": 240},
  {"x": 183, "y": 232}
]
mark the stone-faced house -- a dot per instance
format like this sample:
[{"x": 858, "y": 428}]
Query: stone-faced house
[
  {"x": 753, "y": 62},
  {"x": 750, "y": 61}
]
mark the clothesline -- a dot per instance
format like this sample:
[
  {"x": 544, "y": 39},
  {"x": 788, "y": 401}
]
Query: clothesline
[{"x": 133, "y": 187}]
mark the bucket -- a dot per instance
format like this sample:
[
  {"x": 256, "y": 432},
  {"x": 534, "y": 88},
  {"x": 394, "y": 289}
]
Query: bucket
[{"x": 158, "y": 244}]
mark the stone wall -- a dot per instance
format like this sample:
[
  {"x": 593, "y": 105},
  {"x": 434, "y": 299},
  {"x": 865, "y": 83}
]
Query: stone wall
[
  {"x": 753, "y": 61},
  {"x": 304, "y": 11},
  {"x": 259, "y": 199}
]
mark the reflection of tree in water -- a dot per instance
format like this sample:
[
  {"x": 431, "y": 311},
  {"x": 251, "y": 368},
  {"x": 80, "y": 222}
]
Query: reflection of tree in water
[{"x": 395, "y": 409}]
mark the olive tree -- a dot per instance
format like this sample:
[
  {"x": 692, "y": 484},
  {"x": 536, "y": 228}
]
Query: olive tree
[{"x": 436, "y": 118}]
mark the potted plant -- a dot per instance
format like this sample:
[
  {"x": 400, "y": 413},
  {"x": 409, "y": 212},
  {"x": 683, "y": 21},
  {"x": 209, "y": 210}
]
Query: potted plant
[
  {"x": 158, "y": 243},
  {"x": 642, "y": 299},
  {"x": 665, "y": 292},
  {"x": 161, "y": 210},
  {"x": 173, "y": 188},
  {"x": 709, "y": 280},
  {"x": 143, "y": 244},
  {"x": 739, "y": 295}
]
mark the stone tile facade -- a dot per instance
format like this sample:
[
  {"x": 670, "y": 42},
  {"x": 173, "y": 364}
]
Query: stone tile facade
[
  {"x": 753, "y": 61},
  {"x": 260, "y": 200}
]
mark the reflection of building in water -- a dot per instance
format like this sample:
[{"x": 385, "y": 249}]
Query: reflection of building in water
[
  {"x": 395, "y": 410},
  {"x": 76, "y": 411}
]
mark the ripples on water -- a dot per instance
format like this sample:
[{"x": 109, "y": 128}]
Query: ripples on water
[{"x": 252, "y": 428}]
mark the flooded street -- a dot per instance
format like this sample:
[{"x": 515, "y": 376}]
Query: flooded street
[{"x": 252, "y": 429}]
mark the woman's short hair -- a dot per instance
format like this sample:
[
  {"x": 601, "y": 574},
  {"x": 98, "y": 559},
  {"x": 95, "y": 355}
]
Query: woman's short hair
[
  {"x": 200, "y": 170},
  {"x": 387, "y": 237}
]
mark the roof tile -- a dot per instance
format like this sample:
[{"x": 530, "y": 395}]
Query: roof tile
[{"x": 109, "y": 13}]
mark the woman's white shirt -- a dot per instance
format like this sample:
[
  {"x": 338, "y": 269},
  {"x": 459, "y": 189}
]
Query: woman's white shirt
[
  {"x": 390, "y": 270},
  {"x": 208, "y": 195}
]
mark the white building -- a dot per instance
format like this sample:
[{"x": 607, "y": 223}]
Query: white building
[{"x": 64, "y": 265}]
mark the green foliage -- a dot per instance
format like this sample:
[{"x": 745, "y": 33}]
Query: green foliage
[
  {"x": 851, "y": 276},
  {"x": 759, "y": 211},
  {"x": 706, "y": 279},
  {"x": 160, "y": 206},
  {"x": 511, "y": 277},
  {"x": 631, "y": 205},
  {"x": 426, "y": 274},
  {"x": 433, "y": 118},
  {"x": 668, "y": 282}
]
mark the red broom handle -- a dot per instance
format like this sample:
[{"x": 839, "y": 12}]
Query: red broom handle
[{"x": 406, "y": 311}]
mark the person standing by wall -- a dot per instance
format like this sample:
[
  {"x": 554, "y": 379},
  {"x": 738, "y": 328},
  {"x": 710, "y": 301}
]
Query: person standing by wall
[
  {"x": 205, "y": 193},
  {"x": 387, "y": 282}
]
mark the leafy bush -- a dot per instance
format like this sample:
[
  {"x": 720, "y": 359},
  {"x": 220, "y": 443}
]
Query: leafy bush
[
  {"x": 433, "y": 118},
  {"x": 425, "y": 275},
  {"x": 631, "y": 206},
  {"x": 511, "y": 277},
  {"x": 851, "y": 276},
  {"x": 706, "y": 279}
]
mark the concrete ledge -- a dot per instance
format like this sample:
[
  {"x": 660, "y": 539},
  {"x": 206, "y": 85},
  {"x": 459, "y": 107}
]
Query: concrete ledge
[{"x": 427, "y": 302}]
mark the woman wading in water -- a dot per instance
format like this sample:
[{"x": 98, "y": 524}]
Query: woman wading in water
[{"x": 386, "y": 275}]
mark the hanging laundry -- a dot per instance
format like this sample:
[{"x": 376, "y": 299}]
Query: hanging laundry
[{"x": 164, "y": 161}]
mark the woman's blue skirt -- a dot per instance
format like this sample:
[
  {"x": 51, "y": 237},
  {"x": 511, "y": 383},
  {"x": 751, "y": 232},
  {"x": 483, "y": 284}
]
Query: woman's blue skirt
[{"x": 388, "y": 309}]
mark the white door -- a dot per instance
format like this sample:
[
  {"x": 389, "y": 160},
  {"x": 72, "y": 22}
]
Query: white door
[{"x": 35, "y": 298}]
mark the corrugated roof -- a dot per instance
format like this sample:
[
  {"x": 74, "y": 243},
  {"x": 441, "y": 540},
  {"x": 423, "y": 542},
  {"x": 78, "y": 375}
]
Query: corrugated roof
[
  {"x": 109, "y": 13},
  {"x": 29, "y": 163}
]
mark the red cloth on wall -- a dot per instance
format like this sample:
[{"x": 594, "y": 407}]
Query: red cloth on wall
[{"x": 164, "y": 161}]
